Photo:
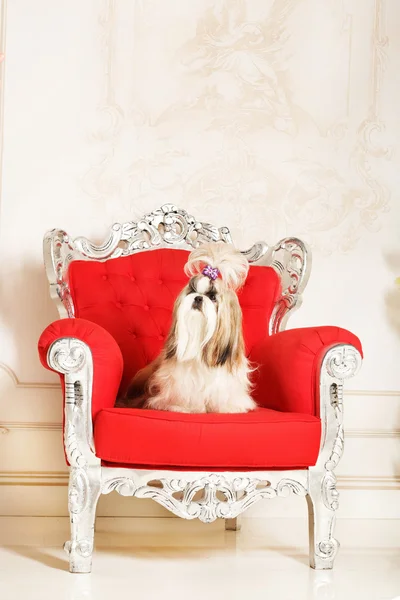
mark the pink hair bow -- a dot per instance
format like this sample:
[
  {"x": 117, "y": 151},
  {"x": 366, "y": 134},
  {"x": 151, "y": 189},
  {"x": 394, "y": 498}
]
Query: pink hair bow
[{"x": 210, "y": 272}]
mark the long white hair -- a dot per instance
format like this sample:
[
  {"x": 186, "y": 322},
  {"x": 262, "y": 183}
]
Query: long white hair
[{"x": 203, "y": 366}]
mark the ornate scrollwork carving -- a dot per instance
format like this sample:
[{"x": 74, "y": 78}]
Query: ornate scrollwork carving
[
  {"x": 343, "y": 362},
  {"x": 78, "y": 491},
  {"x": 327, "y": 549},
  {"x": 340, "y": 363},
  {"x": 83, "y": 547},
  {"x": 292, "y": 262},
  {"x": 67, "y": 356},
  {"x": 256, "y": 252},
  {"x": 220, "y": 497},
  {"x": 336, "y": 398},
  {"x": 330, "y": 494},
  {"x": 125, "y": 486},
  {"x": 166, "y": 226},
  {"x": 71, "y": 444}
]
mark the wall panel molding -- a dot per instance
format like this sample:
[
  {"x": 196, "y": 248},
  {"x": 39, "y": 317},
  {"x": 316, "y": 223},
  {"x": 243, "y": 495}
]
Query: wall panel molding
[
  {"x": 49, "y": 478},
  {"x": 389, "y": 393},
  {"x": 34, "y": 478},
  {"x": 6, "y": 427},
  {"x": 372, "y": 433},
  {"x": 354, "y": 482},
  {"x": 38, "y": 494},
  {"x": 191, "y": 538},
  {"x": 55, "y": 386},
  {"x": 27, "y": 384}
]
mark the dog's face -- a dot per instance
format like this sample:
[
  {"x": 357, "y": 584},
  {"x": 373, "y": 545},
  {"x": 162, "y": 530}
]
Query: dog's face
[{"x": 207, "y": 323}]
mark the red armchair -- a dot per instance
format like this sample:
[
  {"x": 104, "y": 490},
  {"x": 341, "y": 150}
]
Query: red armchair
[{"x": 117, "y": 299}]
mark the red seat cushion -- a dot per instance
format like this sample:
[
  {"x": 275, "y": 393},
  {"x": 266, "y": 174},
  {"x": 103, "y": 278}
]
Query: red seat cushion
[
  {"x": 132, "y": 298},
  {"x": 261, "y": 439}
]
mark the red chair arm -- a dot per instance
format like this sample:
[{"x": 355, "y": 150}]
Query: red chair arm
[
  {"x": 289, "y": 365},
  {"x": 106, "y": 355}
]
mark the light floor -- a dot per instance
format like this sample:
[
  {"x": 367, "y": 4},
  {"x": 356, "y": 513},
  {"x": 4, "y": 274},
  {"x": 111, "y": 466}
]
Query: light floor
[{"x": 177, "y": 561}]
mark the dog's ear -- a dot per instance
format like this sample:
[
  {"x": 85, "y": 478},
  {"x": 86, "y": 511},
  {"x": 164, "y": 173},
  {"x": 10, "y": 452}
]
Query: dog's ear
[
  {"x": 171, "y": 344},
  {"x": 226, "y": 348},
  {"x": 224, "y": 354},
  {"x": 170, "y": 348}
]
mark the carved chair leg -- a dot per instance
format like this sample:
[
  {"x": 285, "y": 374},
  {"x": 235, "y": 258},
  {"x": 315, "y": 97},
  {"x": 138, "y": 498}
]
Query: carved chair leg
[
  {"x": 321, "y": 520},
  {"x": 233, "y": 524},
  {"x": 83, "y": 494}
]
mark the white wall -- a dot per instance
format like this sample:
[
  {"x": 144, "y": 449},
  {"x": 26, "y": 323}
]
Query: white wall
[{"x": 273, "y": 118}]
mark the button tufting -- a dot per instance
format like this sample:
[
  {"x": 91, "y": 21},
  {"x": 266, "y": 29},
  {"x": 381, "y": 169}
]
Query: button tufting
[
  {"x": 160, "y": 281},
  {"x": 105, "y": 277},
  {"x": 146, "y": 307},
  {"x": 133, "y": 278},
  {"x": 160, "y": 337},
  {"x": 134, "y": 336},
  {"x": 118, "y": 305}
]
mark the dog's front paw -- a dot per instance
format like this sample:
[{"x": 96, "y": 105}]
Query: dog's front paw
[
  {"x": 176, "y": 408},
  {"x": 240, "y": 405},
  {"x": 240, "y": 409}
]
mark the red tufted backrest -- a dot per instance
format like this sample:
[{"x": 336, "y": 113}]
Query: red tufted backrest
[{"x": 132, "y": 297}]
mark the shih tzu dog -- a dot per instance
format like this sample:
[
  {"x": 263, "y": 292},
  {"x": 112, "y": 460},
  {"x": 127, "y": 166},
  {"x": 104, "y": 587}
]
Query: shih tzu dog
[{"x": 203, "y": 366}]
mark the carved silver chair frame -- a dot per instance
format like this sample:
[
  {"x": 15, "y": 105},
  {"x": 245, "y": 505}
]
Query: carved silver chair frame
[{"x": 190, "y": 495}]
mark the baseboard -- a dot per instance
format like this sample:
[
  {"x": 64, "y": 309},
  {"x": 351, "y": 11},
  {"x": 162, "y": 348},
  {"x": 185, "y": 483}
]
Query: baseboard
[
  {"x": 60, "y": 478},
  {"x": 359, "y": 499},
  {"x": 362, "y": 534}
]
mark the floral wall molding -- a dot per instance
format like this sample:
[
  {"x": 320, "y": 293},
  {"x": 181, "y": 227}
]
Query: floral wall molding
[{"x": 218, "y": 122}]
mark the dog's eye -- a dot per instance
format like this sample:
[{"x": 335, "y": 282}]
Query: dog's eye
[{"x": 212, "y": 296}]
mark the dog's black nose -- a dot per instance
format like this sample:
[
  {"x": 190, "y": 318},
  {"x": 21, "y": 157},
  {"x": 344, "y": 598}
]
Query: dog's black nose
[{"x": 197, "y": 302}]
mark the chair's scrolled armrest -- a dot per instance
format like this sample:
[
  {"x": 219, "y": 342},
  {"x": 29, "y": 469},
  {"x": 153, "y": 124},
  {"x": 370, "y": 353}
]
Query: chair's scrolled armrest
[
  {"x": 90, "y": 365},
  {"x": 339, "y": 363},
  {"x": 290, "y": 365}
]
